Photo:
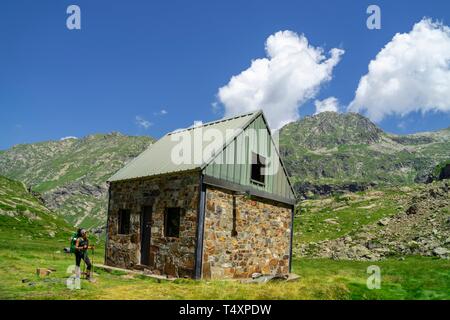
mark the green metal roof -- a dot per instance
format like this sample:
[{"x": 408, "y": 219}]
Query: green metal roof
[{"x": 156, "y": 160}]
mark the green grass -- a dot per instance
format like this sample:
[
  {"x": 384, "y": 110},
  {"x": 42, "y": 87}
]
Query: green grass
[
  {"x": 350, "y": 212},
  {"x": 25, "y": 245},
  {"x": 412, "y": 278}
]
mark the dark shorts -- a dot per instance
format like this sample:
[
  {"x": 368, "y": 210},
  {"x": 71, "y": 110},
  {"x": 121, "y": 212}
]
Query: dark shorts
[{"x": 84, "y": 256}]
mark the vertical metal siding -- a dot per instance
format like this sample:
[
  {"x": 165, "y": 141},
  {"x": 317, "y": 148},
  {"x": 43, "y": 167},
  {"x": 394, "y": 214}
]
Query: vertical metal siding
[{"x": 255, "y": 138}]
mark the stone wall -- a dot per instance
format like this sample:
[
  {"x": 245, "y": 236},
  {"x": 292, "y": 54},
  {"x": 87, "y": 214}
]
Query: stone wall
[
  {"x": 170, "y": 256},
  {"x": 262, "y": 241}
]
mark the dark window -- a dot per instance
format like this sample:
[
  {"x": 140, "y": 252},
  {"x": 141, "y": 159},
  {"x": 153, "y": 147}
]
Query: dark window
[
  {"x": 124, "y": 221},
  {"x": 258, "y": 164},
  {"x": 172, "y": 222}
]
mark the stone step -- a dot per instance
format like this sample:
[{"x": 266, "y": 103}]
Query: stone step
[{"x": 133, "y": 272}]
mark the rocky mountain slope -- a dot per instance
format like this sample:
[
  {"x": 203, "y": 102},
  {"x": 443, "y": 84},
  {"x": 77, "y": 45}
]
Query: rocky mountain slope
[
  {"x": 71, "y": 174},
  {"x": 332, "y": 152},
  {"x": 23, "y": 214},
  {"x": 325, "y": 154},
  {"x": 373, "y": 225}
]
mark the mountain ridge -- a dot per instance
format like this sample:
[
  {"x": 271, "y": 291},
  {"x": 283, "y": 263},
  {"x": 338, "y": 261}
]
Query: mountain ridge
[
  {"x": 332, "y": 152},
  {"x": 71, "y": 174},
  {"x": 324, "y": 154}
]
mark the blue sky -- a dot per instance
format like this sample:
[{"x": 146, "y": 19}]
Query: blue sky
[{"x": 135, "y": 58}]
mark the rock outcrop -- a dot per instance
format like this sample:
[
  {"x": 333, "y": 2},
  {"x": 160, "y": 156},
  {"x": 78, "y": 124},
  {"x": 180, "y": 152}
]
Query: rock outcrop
[
  {"x": 331, "y": 152},
  {"x": 305, "y": 190},
  {"x": 423, "y": 228}
]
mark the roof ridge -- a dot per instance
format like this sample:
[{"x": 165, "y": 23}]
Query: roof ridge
[
  {"x": 254, "y": 114},
  {"x": 215, "y": 122}
]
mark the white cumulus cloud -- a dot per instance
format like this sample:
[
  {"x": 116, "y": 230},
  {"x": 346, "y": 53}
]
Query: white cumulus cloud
[
  {"x": 291, "y": 74},
  {"x": 143, "y": 123},
  {"x": 161, "y": 112},
  {"x": 328, "y": 104},
  {"x": 411, "y": 73}
]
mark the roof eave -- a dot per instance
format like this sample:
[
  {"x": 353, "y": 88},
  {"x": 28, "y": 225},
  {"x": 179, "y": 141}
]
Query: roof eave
[{"x": 197, "y": 169}]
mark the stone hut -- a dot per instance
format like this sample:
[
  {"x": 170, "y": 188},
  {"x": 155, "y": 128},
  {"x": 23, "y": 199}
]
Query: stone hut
[{"x": 211, "y": 201}]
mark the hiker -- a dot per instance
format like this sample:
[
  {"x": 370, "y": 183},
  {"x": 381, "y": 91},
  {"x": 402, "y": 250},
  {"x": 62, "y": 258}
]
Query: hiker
[{"x": 81, "y": 252}]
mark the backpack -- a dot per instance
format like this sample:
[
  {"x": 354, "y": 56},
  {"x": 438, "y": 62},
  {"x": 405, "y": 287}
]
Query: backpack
[{"x": 73, "y": 241}]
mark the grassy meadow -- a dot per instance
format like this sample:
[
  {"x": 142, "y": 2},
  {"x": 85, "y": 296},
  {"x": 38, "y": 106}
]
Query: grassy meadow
[
  {"x": 31, "y": 236},
  {"x": 411, "y": 278}
]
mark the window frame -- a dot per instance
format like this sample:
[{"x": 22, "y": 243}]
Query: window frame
[
  {"x": 261, "y": 163},
  {"x": 166, "y": 221},
  {"x": 124, "y": 229}
]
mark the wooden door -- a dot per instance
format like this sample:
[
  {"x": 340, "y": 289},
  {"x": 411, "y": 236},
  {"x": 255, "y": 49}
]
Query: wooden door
[{"x": 146, "y": 225}]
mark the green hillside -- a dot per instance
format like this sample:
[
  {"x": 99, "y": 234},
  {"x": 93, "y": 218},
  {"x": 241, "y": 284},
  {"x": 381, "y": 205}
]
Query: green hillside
[
  {"x": 332, "y": 152},
  {"x": 22, "y": 215},
  {"x": 375, "y": 224},
  {"x": 71, "y": 174},
  {"x": 325, "y": 154}
]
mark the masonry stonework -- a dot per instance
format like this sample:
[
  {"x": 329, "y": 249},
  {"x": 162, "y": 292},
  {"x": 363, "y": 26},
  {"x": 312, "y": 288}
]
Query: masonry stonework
[
  {"x": 169, "y": 256},
  {"x": 259, "y": 243}
]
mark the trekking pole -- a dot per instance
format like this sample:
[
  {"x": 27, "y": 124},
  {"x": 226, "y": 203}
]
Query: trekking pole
[
  {"x": 84, "y": 269},
  {"x": 92, "y": 271}
]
